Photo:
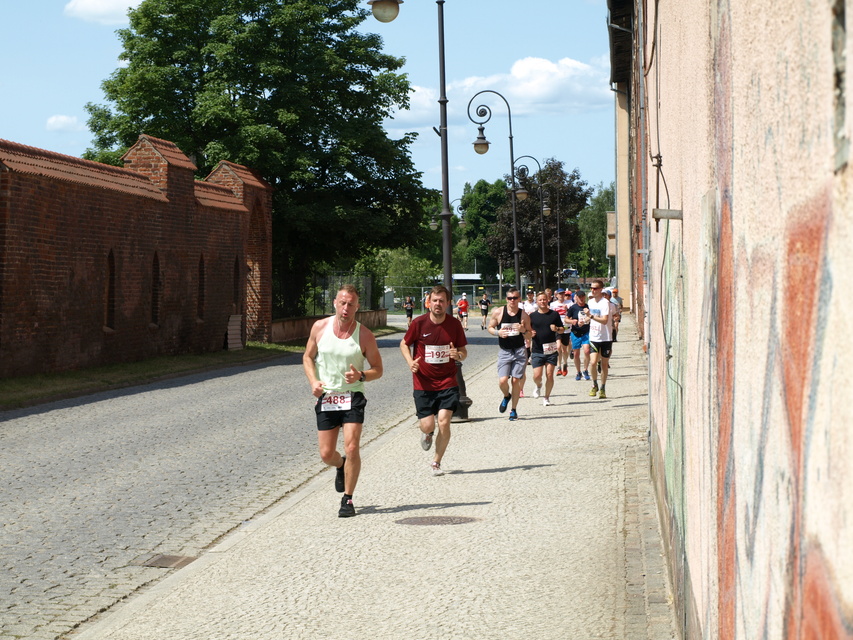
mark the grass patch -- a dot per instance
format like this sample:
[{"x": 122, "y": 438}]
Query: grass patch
[{"x": 26, "y": 391}]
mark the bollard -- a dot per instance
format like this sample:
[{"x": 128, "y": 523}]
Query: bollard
[{"x": 461, "y": 413}]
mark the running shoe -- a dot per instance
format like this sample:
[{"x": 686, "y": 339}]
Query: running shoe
[
  {"x": 504, "y": 404},
  {"x": 521, "y": 393},
  {"x": 586, "y": 375},
  {"x": 565, "y": 370},
  {"x": 436, "y": 469},
  {"x": 578, "y": 377},
  {"x": 546, "y": 402},
  {"x": 513, "y": 415},
  {"x": 426, "y": 440},
  {"x": 536, "y": 392},
  {"x": 602, "y": 395},
  {"x": 559, "y": 371},
  {"x": 347, "y": 509},
  {"x": 594, "y": 391},
  {"x": 339, "y": 477}
]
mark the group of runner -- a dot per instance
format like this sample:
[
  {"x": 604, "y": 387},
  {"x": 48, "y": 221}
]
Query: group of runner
[
  {"x": 341, "y": 355},
  {"x": 547, "y": 331}
]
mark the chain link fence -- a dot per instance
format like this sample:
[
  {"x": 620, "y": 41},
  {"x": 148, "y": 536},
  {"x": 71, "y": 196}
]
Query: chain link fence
[{"x": 318, "y": 295}]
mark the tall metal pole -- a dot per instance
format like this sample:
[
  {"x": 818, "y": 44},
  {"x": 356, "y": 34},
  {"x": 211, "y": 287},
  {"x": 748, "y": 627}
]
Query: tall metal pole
[
  {"x": 446, "y": 238},
  {"x": 557, "y": 214},
  {"x": 522, "y": 170},
  {"x": 484, "y": 112},
  {"x": 542, "y": 227}
]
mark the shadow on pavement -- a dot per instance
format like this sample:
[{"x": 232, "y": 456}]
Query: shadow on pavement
[{"x": 418, "y": 507}]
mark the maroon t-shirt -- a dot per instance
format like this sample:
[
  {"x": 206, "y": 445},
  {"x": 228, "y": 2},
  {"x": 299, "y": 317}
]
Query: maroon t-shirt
[{"x": 436, "y": 370}]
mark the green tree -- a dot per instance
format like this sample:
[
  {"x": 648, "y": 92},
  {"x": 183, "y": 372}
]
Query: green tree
[
  {"x": 290, "y": 89},
  {"x": 566, "y": 194},
  {"x": 591, "y": 254},
  {"x": 481, "y": 204},
  {"x": 408, "y": 271}
]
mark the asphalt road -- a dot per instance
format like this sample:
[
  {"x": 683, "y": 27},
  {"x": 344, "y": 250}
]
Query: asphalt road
[{"x": 92, "y": 488}]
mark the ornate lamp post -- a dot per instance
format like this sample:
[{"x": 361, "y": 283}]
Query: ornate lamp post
[
  {"x": 386, "y": 11},
  {"x": 481, "y": 146},
  {"x": 557, "y": 212},
  {"x": 522, "y": 170}
]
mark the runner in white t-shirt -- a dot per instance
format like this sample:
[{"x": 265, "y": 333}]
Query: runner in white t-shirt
[{"x": 600, "y": 336}]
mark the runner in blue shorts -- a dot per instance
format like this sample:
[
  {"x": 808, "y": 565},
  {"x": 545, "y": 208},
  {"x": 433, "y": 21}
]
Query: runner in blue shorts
[{"x": 579, "y": 321}]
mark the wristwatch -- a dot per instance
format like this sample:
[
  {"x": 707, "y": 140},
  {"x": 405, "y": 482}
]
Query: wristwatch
[{"x": 361, "y": 377}]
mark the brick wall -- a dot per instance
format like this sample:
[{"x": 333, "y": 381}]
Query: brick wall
[{"x": 62, "y": 217}]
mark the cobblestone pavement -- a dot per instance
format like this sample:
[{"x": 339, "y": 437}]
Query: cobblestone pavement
[{"x": 562, "y": 542}]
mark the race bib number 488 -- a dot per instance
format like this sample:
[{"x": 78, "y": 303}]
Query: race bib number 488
[
  {"x": 436, "y": 354},
  {"x": 341, "y": 401}
]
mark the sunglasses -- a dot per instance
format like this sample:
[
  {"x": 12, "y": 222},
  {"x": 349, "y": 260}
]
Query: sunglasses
[
  {"x": 595, "y": 288},
  {"x": 512, "y": 297}
]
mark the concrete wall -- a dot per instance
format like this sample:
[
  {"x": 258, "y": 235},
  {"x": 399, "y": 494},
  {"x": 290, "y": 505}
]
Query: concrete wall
[{"x": 749, "y": 311}]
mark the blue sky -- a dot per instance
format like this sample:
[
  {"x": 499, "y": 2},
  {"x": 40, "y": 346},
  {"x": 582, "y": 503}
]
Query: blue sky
[{"x": 549, "y": 60}]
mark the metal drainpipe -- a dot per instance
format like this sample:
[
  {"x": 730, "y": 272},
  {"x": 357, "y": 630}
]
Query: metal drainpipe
[{"x": 639, "y": 29}]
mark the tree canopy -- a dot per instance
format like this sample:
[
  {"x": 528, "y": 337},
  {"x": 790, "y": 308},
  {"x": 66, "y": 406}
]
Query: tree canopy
[
  {"x": 566, "y": 194},
  {"x": 590, "y": 255},
  {"x": 290, "y": 89}
]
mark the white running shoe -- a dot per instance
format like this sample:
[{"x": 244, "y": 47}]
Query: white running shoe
[
  {"x": 436, "y": 469},
  {"x": 536, "y": 392},
  {"x": 546, "y": 402}
]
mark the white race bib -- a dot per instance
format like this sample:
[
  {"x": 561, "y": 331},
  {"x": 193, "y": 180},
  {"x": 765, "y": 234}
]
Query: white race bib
[
  {"x": 549, "y": 347},
  {"x": 340, "y": 401},
  {"x": 508, "y": 327},
  {"x": 436, "y": 354}
]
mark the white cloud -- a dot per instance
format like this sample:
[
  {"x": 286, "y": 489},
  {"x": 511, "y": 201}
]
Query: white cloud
[
  {"x": 100, "y": 11},
  {"x": 540, "y": 86},
  {"x": 64, "y": 124},
  {"x": 533, "y": 86}
]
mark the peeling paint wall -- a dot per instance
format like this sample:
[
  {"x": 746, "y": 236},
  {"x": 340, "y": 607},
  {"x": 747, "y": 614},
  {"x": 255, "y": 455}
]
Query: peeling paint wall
[{"x": 746, "y": 121}]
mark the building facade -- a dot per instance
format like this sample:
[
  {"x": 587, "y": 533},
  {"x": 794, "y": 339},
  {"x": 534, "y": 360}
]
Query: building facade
[
  {"x": 101, "y": 264},
  {"x": 734, "y": 224}
]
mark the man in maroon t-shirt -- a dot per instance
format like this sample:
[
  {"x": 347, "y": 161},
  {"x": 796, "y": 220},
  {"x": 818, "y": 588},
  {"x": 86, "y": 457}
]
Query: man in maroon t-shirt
[{"x": 433, "y": 344}]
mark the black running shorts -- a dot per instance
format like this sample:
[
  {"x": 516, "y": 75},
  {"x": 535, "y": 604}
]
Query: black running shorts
[
  {"x": 429, "y": 403},
  {"x": 327, "y": 420},
  {"x": 602, "y": 348}
]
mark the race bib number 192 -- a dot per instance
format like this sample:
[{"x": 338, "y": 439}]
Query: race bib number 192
[{"x": 436, "y": 354}]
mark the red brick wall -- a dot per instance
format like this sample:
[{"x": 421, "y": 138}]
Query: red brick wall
[{"x": 56, "y": 236}]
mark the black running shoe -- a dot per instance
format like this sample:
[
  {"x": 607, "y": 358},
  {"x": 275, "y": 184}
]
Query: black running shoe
[
  {"x": 339, "y": 477},
  {"x": 504, "y": 404},
  {"x": 347, "y": 509}
]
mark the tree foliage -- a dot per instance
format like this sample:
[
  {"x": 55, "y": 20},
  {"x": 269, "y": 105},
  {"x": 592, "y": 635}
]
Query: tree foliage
[
  {"x": 591, "y": 254},
  {"x": 290, "y": 89},
  {"x": 566, "y": 194}
]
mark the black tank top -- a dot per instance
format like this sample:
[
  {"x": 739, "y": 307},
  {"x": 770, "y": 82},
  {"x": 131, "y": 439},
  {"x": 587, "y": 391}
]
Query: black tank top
[{"x": 511, "y": 342}]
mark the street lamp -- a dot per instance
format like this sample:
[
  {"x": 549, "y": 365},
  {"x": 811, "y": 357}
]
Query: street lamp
[
  {"x": 386, "y": 11},
  {"x": 481, "y": 146},
  {"x": 522, "y": 170},
  {"x": 557, "y": 213},
  {"x": 433, "y": 224}
]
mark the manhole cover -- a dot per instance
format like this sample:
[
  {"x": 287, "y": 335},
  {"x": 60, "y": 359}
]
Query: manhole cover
[
  {"x": 165, "y": 562},
  {"x": 437, "y": 520}
]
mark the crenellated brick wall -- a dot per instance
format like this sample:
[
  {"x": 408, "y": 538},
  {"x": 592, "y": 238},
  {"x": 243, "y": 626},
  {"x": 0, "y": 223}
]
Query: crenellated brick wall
[{"x": 66, "y": 222}]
